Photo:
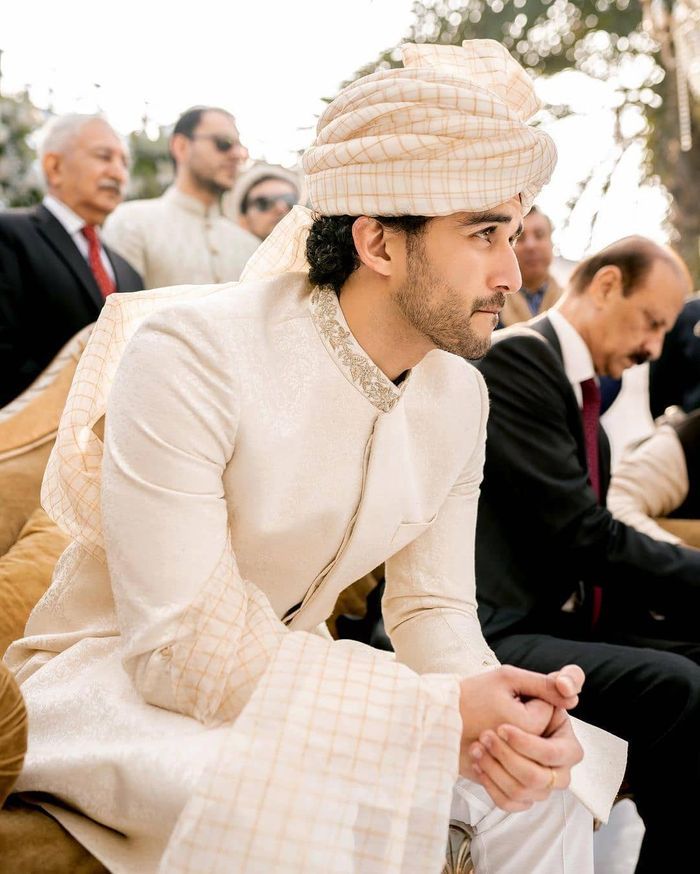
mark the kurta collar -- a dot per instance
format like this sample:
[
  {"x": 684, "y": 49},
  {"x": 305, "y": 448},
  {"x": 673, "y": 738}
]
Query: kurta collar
[
  {"x": 357, "y": 367},
  {"x": 191, "y": 204}
]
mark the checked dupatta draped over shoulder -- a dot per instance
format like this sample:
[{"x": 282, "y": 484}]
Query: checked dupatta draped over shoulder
[{"x": 337, "y": 757}]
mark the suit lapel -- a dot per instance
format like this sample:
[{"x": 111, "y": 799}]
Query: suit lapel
[
  {"x": 544, "y": 327},
  {"x": 60, "y": 241},
  {"x": 120, "y": 275}
]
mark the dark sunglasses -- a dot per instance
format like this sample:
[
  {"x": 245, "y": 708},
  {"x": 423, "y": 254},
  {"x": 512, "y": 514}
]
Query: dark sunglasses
[
  {"x": 265, "y": 204},
  {"x": 221, "y": 144}
]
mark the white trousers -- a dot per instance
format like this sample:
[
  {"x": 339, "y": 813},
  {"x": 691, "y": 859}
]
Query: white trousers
[{"x": 552, "y": 837}]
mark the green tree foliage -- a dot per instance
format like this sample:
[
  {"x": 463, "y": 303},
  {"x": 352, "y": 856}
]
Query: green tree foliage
[
  {"x": 19, "y": 184},
  {"x": 609, "y": 40}
]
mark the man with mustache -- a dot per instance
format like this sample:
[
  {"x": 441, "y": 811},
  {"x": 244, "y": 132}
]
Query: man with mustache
[
  {"x": 184, "y": 235},
  {"x": 55, "y": 273},
  {"x": 558, "y": 577}
]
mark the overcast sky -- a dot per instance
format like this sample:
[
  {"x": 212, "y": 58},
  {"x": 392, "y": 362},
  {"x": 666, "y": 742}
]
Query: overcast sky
[{"x": 271, "y": 62}]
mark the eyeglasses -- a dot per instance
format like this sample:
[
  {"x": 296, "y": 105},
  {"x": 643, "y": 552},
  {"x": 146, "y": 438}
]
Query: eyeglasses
[
  {"x": 221, "y": 144},
  {"x": 265, "y": 204}
]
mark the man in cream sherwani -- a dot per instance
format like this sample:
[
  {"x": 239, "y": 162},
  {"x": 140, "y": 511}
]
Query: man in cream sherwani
[{"x": 264, "y": 446}]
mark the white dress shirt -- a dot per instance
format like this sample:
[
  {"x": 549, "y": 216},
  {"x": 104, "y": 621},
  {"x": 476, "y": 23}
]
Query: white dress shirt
[
  {"x": 74, "y": 225},
  {"x": 578, "y": 362}
]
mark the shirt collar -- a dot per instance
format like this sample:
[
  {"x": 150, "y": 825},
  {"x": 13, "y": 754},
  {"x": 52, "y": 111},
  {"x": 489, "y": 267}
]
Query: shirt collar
[
  {"x": 355, "y": 364},
  {"x": 191, "y": 204},
  {"x": 578, "y": 363},
  {"x": 70, "y": 220}
]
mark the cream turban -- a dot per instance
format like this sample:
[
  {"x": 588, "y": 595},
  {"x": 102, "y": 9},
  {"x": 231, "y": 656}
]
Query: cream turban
[{"x": 446, "y": 133}]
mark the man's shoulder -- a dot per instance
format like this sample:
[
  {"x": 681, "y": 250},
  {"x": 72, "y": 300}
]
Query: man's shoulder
[
  {"x": 134, "y": 209},
  {"x": 18, "y": 218},
  {"x": 261, "y": 301}
]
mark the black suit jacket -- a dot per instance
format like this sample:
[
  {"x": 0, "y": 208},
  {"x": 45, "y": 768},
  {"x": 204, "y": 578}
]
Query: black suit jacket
[
  {"x": 541, "y": 533},
  {"x": 674, "y": 380},
  {"x": 47, "y": 294}
]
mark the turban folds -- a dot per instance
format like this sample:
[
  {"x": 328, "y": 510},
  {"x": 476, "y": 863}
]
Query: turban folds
[{"x": 448, "y": 132}]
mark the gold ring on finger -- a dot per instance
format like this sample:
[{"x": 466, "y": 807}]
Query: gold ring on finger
[{"x": 552, "y": 778}]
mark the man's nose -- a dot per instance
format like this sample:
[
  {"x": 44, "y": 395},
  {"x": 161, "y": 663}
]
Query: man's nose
[
  {"x": 508, "y": 279},
  {"x": 654, "y": 345}
]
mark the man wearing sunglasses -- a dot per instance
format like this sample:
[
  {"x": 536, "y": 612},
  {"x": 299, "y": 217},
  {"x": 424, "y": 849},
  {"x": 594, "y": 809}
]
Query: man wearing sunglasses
[
  {"x": 262, "y": 197},
  {"x": 184, "y": 237}
]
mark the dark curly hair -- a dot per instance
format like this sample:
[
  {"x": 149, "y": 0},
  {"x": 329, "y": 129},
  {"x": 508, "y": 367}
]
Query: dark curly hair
[{"x": 330, "y": 248}]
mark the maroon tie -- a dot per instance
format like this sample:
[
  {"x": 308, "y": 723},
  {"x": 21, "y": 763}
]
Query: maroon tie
[
  {"x": 102, "y": 278},
  {"x": 591, "y": 417}
]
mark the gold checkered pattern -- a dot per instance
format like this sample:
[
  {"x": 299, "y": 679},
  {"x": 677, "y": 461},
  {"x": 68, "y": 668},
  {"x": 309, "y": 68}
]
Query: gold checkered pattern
[
  {"x": 310, "y": 778},
  {"x": 446, "y": 133}
]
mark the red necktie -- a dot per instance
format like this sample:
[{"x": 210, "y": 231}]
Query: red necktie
[
  {"x": 591, "y": 417},
  {"x": 102, "y": 278}
]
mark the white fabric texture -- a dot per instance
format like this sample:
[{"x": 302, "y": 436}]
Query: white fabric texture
[
  {"x": 175, "y": 239},
  {"x": 650, "y": 480}
]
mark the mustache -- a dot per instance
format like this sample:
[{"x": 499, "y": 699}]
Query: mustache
[
  {"x": 496, "y": 300},
  {"x": 640, "y": 357},
  {"x": 111, "y": 185}
]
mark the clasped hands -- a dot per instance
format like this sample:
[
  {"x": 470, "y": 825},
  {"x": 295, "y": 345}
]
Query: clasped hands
[{"x": 517, "y": 739}]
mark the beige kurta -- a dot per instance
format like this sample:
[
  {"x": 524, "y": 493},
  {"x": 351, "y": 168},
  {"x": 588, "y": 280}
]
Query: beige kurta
[
  {"x": 255, "y": 463},
  {"x": 175, "y": 240}
]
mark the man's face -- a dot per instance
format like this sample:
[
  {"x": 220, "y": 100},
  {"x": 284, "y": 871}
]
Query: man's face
[
  {"x": 268, "y": 202},
  {"x": 631, "y": 330},
  {"x": 214, "y": 153},
  {"x": 90, "y": 176},
  {"x": 459, "y": 269},
  {"x": 534, "y": 249}
]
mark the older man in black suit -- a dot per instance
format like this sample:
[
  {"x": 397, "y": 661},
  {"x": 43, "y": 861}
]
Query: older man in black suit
[
  {"x": 558, "y": 578},
  {"x": 54, "y": 271}
]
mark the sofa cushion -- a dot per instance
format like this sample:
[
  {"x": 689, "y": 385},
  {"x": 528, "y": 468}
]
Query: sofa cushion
[{"x": 25, "y": 573}]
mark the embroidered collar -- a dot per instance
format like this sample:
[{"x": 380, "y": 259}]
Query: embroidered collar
[{"x": 357, "y": 367}]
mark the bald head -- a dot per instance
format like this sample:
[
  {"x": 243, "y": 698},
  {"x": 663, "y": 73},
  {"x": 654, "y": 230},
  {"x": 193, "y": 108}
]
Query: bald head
[
  {"x": 624, "y": 299},
  {"x": 634, "y": 258}
]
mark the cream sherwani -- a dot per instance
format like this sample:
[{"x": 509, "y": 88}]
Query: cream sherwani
[
  {"x": 175, "y": 239},
  {"x": 256, "y": 462},
  {"x": 264, "y": 466}
]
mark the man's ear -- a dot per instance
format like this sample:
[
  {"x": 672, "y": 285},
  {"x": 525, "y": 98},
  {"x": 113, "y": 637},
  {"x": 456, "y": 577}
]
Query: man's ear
[
  {"x": 606, "y": 282},
  {"x": 371, "y": 238},
  {"x": 51, "y": 166},
  {"x": 179, "y": 145}
]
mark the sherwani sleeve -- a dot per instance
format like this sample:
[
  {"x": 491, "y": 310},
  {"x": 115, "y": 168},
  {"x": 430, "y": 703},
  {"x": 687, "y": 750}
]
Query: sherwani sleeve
[
  {"x": 650, "y": 481},
  {"x": 334, "y": 731},
  {"x": 429, "y": 604}
]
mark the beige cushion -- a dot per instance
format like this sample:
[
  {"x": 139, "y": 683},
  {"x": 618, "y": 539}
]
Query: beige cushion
[
  {"x": 28, "y": 427},
  {"x": 687, "y": 529},
  {"x": 33, "y": 842},
  {"x": 25, "y": 573}
]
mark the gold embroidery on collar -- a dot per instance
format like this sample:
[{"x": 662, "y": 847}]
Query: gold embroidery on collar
[{"x": 376, "y": 387}]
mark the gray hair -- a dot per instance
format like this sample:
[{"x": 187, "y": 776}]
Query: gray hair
[{"x": 58, "y": 134}]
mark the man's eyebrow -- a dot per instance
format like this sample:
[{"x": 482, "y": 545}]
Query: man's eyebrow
[{"x": 489, "y": 218}]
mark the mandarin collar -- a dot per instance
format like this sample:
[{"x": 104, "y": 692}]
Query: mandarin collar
[
  {"x": 191, "y": 204},
  {"x": 350, "y": 358}
]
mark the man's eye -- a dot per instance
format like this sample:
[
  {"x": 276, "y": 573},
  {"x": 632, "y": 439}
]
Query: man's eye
[{"x": 486, "y": 234}]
